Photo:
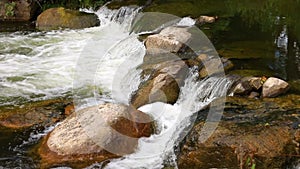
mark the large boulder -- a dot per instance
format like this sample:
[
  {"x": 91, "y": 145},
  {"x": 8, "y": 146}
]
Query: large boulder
[
  {"x": 21, "y": 10},
  {"x": 274, "y": 87},
  {"x": 252, "y": 134},
  {"x": 95, "y": 134},
  {"x": 56, "y": 18},
  {"x": 171, "y": 39}
]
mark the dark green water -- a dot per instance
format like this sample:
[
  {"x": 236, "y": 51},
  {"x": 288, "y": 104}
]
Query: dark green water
[{"x": 260, "y": 37}]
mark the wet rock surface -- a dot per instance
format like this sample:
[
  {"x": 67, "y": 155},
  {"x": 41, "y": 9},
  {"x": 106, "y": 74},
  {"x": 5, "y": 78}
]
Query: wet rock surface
[
  {"x": 57, "y": 18},
  {"x": 258, "y": 133},
  {"x": 166, "y": 76},
  {"x": 21, "y": 10},
  {"x": 43, "y": 113},
  {"x": 170, "y": 39},
  {"x": 95, "y": 134}
]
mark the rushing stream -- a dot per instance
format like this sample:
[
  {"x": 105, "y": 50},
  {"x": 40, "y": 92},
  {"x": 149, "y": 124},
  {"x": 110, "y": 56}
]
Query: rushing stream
[{"x": 43, "y": 65}]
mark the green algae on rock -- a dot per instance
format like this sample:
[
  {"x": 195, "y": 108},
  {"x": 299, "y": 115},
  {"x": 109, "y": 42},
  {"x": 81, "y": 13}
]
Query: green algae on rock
[{"x": 57, "y": 18}]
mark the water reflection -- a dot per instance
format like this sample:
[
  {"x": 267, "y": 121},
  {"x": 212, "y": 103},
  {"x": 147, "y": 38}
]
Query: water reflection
[{"x": 281, "y": 54}]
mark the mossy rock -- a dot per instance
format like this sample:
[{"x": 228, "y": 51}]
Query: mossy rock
[{"x": 57, "y": 18}]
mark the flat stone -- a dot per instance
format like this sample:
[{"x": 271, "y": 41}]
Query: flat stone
[{"x": 170, "y": 39}]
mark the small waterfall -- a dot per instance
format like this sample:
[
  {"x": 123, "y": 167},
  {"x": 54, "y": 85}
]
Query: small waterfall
[
  {"x": 123, "y": 16},
  {"x": 173, "y": 120}
]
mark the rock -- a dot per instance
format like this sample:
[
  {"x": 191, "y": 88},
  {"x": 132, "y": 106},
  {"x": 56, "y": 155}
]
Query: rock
[
  {"x": 247, "y": 84},
  {"x": 192, "y": 62},
  {"x": 202, "y": 58},
  {"x": 69, "y": 109},
  {"x": 274, "y": 87},
  {"x": 253, "y": 95},
  {"x": 95, "y": 134},
  {"x": 170, "y": 39},
  {"x": 227, "y": 64},
  {"x": 21, "y": 10},
  {"x": 43, "y": 113},
  {"x": 211, "y": 67},
  {"x": 164, "y": 83},
  {"x": 166, "y": 74},
  {"x": 206, "y": 19},
  {"x": 255, "y": 83},
  {"x": 251, "y": 132},
  {"x": 242, "y": 88},
  {"x": 56, "y": 18}
]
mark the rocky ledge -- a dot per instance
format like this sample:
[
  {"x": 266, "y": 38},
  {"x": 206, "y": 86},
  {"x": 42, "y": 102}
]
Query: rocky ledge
[
  {"x": 44, "y": 113},
  {"x": 253, "y": 133}
]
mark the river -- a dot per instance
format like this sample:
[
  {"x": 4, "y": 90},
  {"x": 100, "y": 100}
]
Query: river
[{"x": 87, "y": 63}]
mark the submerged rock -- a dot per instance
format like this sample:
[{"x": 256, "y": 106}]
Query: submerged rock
[
  {"x": 43, "y": 113},
  {"x": 251, "y": 133},
  {"x": 95, "y": 134},
  {"x": 170, "y": 39},
  {"x": 274, "y": 87},
  {"x": 56, "y": 18}
]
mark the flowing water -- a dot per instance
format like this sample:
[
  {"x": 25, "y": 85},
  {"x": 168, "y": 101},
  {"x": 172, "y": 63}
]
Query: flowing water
[{"x": 99, "y": 64}]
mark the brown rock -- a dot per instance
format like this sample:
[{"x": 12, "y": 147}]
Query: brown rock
[
  {"x": 274, "y": 87},
  {"x": 227, "y": 64},
  {"x": 211, "y": 67},
  {"x": 165, "y": 85},
  {"x": 21, "y": 10},
  {"x": 253, "y": 95},
  {"x": 202, "y": 58},
  {"x": 69, "y": 109},
  {"x": 242, "y": 137},
  {"x": 243, "y": 87},
  {"x": 206, "y": 19},
  {"x": 255, "y": 83},
  {"x": 170, "y": 39},
  {"x": 43, "y": 113},
  {"x": 95, "y": 134},
  {"x": 56, "y": 18}
]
